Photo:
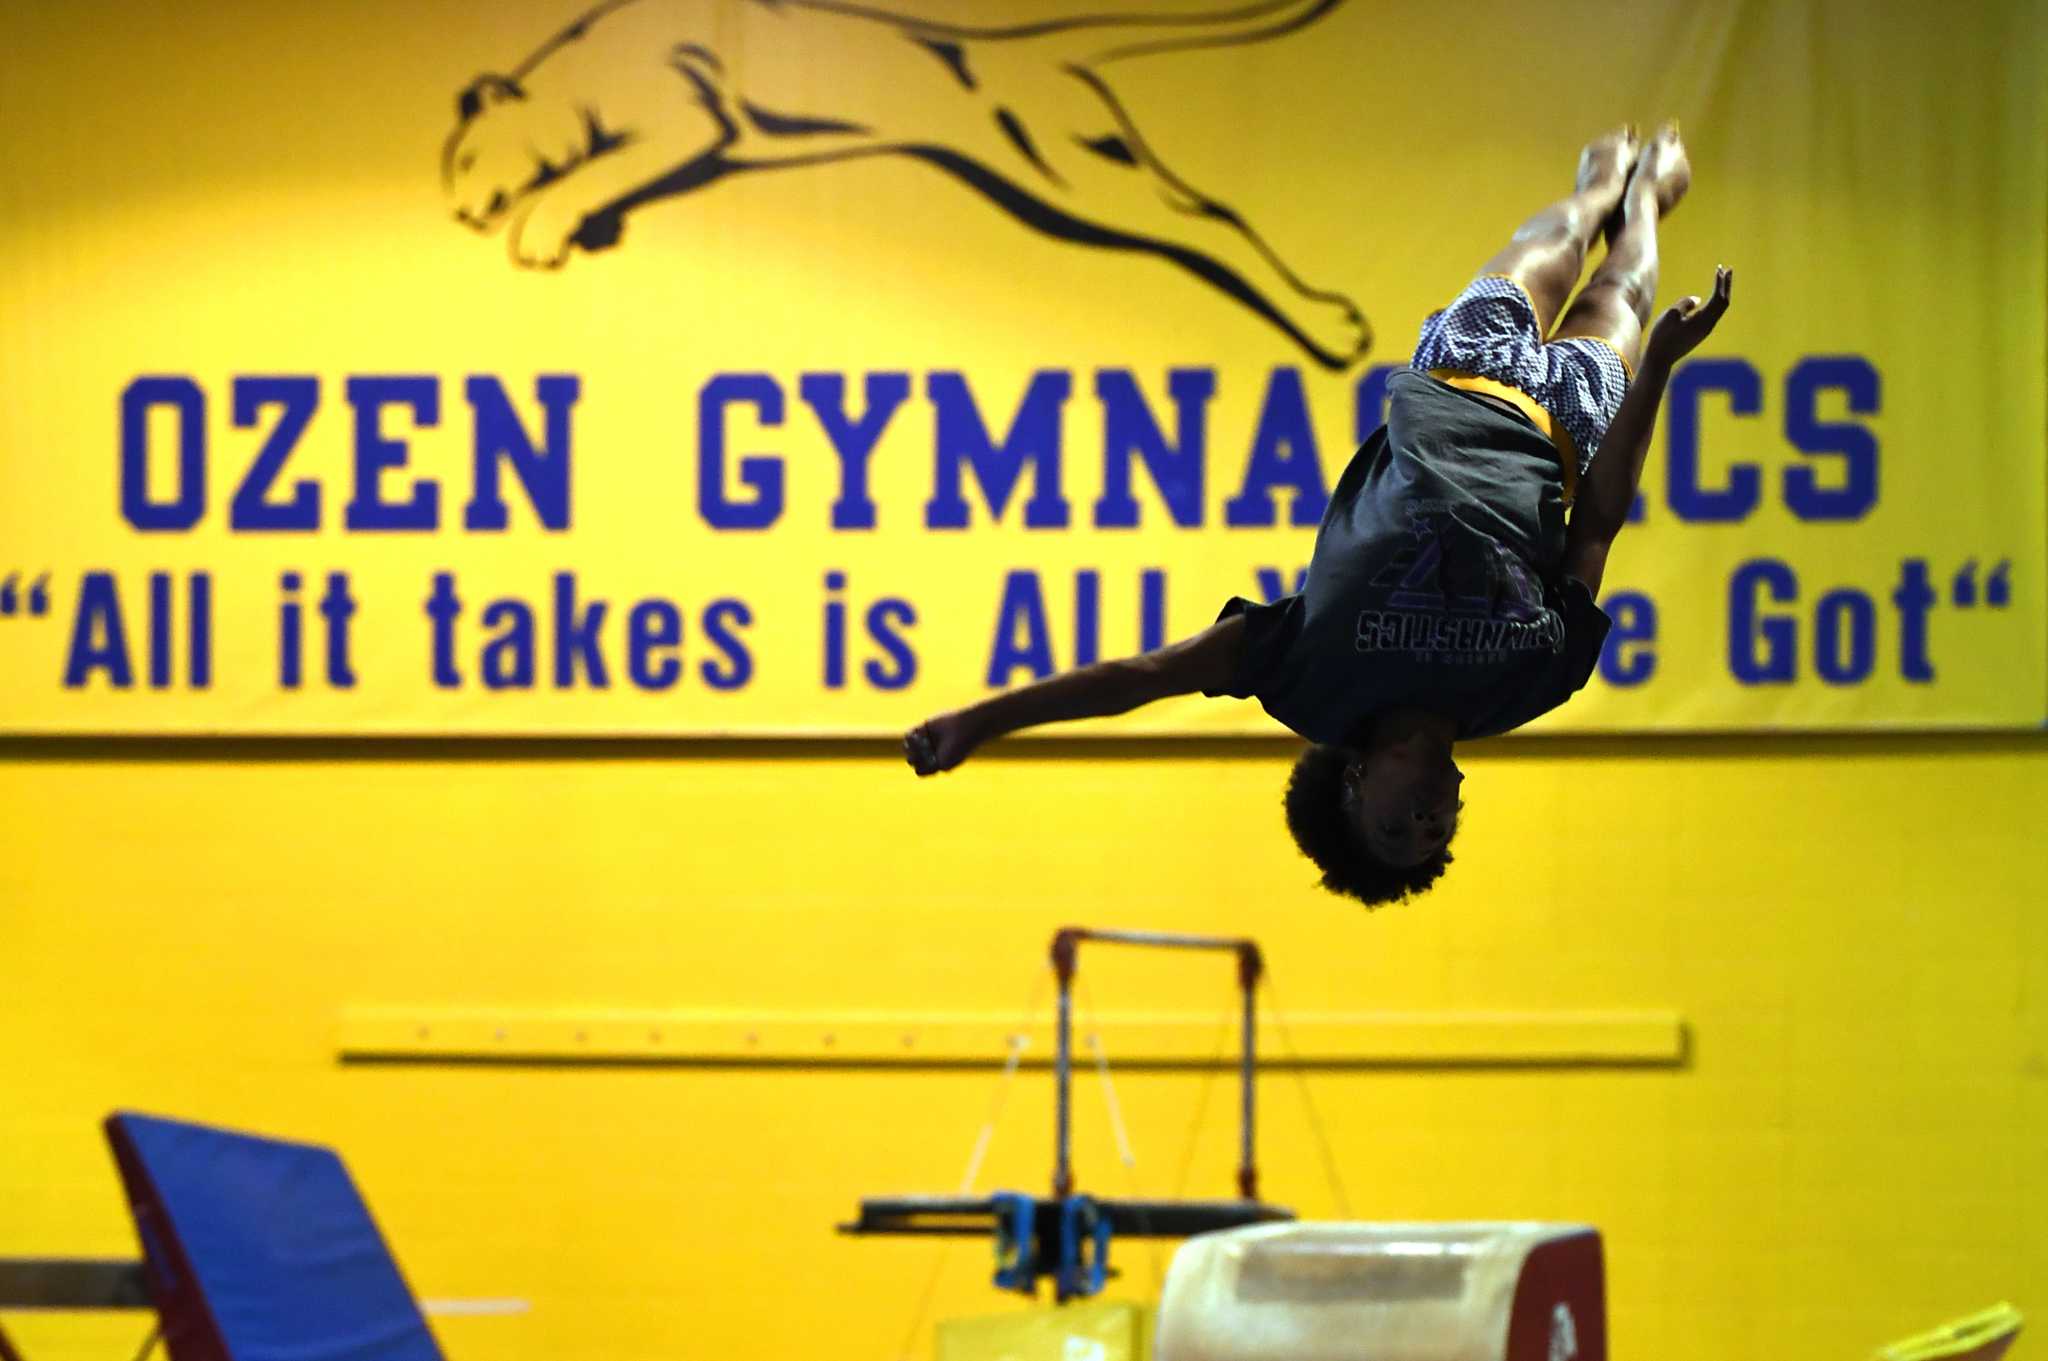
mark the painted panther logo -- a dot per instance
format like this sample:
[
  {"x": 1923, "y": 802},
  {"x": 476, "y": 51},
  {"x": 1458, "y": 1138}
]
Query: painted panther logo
[{"x": 642, "y": 100}]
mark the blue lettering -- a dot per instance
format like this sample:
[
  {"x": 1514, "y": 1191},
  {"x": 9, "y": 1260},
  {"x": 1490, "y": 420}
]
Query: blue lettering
[
  {"x": 853, "y": 441},
  {"x": 721, "y": 618},
  {"x": 199, "y": 662},
  {"x": 183, "y": 510},
  {"x": 761, "y": 473},
  {"x": 654, "y": 629},
  {"x": 835, "y": 632},
  {"x": 297, "y": 400},
  {"x": 1087, "y": 617},
  {"x": 338, "y": 607},
  {"x": 1914, "y": 598},
  {"x": 375, "y": 454},
  {"x": 1693, "y": 502},
  {"x": 1283, "y": 455},
  {"x": 290, "y": 634},
  {"x": 886, "y": 620},
  {"x": 1022, "y": 607},
  {"x": 1034, "y": 437},
  {"x": 1151, "y": 609},
  {"x": 1630, "y": 655},
  {"x": 443, "y": 609},
  {"x": 508, "y": 660},
  {"x": 98, "y": 640},
  {"x": 1854, "y": 612},
  {"x": 1778, "y": 663},
  {"x": 1854, "y": 443},
  {"x": 576, "y": 636},
  {"x": 160, "y": 629},
  {"x": 544, "y": 472},
  {"x": 1128, "y": 428}
]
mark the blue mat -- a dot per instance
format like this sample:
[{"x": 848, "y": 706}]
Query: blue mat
[{"x": 261, "y": 1250}]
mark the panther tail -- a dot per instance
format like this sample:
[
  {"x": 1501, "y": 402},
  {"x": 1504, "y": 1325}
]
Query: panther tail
[{"x": 1090, "y": 40}]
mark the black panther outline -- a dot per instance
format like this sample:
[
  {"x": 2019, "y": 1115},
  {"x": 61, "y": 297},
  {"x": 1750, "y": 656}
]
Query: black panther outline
[{"x": 635, "y": 102}]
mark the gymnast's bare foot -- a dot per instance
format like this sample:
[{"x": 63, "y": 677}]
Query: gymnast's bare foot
[
  {"x": 1663, "y": 162},
  {"x": 1605, "y": 163},
  {"x": 939, "y": 744}
]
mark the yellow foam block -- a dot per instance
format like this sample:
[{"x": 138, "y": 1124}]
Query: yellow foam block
[
  {"x": 1107, "y": 1330},
  {"x": 1506, "y": 1291}
]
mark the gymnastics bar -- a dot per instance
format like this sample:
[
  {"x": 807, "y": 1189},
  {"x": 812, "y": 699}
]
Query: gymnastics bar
[{"x": 1066, "y": 943}]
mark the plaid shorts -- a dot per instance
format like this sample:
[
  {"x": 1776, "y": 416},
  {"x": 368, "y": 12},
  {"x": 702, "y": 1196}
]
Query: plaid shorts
[{"x": 1490, "y": 331}]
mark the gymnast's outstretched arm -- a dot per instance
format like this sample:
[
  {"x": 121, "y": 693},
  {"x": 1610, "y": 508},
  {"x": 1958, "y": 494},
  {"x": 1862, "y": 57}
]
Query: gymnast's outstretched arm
[
  {"x": 1609, "y": 487},
  {"x": 1203, "y": 662}
]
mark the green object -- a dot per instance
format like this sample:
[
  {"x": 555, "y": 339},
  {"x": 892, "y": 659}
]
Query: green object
[{"x": 1980, "y": 1337}]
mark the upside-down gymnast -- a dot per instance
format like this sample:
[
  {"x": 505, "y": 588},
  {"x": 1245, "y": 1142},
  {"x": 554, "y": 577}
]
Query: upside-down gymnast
[{"x": 1448, "y": 596}]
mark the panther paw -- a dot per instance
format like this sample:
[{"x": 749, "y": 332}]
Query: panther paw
[{"x": 541, "y": 239}]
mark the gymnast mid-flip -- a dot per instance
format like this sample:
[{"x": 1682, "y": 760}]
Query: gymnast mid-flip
[{"x": 1448, "y": 596}]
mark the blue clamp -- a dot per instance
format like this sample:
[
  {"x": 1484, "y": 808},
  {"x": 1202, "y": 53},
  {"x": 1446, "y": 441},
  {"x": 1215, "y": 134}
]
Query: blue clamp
[
  {"x": 1084, "y": 1248},
  {"x": 1016, "y": 1242},
  {"x": 1082, "y": 1268}
]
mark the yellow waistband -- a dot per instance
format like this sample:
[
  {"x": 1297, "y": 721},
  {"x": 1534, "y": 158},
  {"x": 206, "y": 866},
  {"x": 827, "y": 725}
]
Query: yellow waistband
[{"x": 1552, "y": 429}]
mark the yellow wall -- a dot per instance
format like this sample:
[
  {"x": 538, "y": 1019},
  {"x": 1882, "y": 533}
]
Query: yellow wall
[{"x": 1853, "y": 930}]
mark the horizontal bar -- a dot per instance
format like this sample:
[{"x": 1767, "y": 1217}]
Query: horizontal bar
[
  {"x": 1167, "y": 938},
  {"x": 958, "y": 1217},
  {"x": 1335, "y": 1039},
  {"x": 71, "y": 1283}
]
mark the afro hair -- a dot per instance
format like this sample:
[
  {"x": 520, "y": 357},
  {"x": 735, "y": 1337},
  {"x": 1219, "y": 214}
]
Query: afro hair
[{"x": 1316, "y": 816}]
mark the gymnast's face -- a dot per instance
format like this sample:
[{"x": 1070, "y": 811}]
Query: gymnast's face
[{"x": 1403, "y": 798}]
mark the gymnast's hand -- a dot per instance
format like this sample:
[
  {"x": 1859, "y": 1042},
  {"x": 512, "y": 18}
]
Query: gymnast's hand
[
  {"x": 1681, "y": 329},
  {"x": 940, "y": 743}
]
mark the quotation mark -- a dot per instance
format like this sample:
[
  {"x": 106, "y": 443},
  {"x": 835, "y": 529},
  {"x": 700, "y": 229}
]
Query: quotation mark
[
  {"x": 1997, "y": 586},
  {"x": 11, "y": 601}
]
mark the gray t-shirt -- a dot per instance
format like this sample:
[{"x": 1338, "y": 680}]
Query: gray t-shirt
[{"x": 1437, "y": 581}]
